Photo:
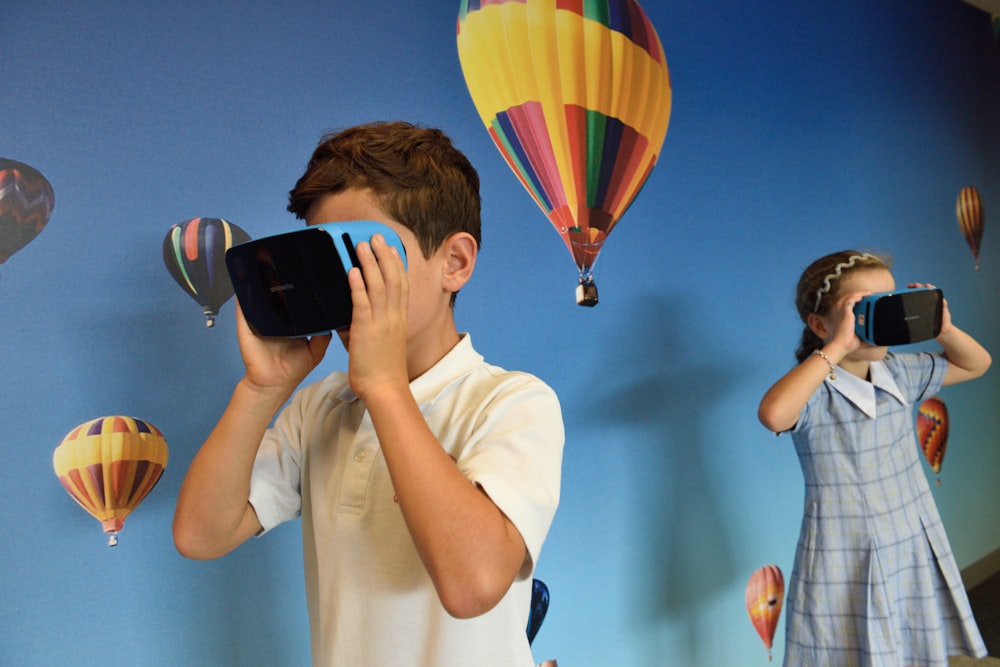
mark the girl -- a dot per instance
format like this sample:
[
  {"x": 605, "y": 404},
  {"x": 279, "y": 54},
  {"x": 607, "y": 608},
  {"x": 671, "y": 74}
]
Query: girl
[{"x": 874, "y": 582}]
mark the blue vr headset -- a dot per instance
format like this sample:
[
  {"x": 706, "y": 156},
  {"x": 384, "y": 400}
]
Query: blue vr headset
[
  {"x": 295, "y": 284},
  {"x": 898, "y": 318}
]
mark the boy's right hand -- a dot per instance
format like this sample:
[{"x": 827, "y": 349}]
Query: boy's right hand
[{"x": 277, "y": 363}]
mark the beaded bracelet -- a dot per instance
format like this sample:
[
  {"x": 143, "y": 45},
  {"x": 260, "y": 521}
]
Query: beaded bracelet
[{"x": 820, "y": 353}]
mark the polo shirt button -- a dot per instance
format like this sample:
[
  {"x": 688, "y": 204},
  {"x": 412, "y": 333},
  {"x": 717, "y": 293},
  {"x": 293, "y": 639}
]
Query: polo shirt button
[{"x": 359, "y": 457}]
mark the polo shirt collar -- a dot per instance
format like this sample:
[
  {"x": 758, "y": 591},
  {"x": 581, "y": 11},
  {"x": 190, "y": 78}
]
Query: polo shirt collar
[
  {"x": 457, "y": 362},
  {"x": 862, "y": 393}
]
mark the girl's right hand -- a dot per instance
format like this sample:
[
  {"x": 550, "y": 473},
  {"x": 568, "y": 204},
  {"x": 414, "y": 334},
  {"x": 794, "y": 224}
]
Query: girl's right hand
[{"x": 843, "y": 322}]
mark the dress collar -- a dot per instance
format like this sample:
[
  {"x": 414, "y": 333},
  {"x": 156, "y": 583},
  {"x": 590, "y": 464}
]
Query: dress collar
[{"x": 861, "y": 392}]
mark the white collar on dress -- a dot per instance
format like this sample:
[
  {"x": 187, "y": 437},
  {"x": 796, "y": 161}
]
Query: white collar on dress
[{"x": 861, "y": 392}]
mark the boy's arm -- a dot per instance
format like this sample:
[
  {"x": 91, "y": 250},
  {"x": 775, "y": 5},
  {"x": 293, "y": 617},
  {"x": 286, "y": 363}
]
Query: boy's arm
[
  {"x": 213, "y": 514},
  {"x": 471, "y": 550}
]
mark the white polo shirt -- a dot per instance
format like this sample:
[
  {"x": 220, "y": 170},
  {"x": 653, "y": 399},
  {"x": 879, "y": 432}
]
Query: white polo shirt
[{"x": 371, "y": 602}]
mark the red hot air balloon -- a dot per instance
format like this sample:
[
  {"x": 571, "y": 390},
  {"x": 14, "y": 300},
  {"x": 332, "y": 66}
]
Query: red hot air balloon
[
  {"x": 109, "y": 465},
  {"x": 764, "y": 595},
  {"x": 971, "y": 216},
  {"x": 932, "y": 432},
  {"x": 26, "y": 202},
  {"x": 576, "y": 97},
  {"x": 195, "y": 254}
]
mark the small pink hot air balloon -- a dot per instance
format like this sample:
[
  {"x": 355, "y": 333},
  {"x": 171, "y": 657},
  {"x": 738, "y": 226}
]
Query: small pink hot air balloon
[{"x": 764, "y": 595}]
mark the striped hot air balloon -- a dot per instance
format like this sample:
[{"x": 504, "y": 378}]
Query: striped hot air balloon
[
  {"x": 576, "y": 96},
  {"x": 932, "y": 432},
  {"x": 195, "y": 254},
  {"x": 26, "y": 202},
  {"x": 109, "y": 465},
  {"x": 970, "y": 214},
  {"x": 764, "y": 595}
]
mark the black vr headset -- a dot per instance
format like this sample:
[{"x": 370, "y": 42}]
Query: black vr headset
[
  {"x": 898, "y": 318},
  {"x": 295, "y": 284}
]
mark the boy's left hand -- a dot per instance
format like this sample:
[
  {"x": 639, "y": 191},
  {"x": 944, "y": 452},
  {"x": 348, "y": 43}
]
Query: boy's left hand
[{"x": 378, "y": 333}]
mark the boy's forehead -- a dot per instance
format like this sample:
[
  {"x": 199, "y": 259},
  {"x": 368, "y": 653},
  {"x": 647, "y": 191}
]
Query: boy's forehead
[{"x": 346, "y": 205}]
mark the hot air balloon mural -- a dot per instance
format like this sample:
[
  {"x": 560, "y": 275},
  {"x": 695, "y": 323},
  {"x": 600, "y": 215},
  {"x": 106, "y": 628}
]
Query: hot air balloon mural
[
  {"x": 577, "y": 97},
  {"x": 26, "y": 202},
  {"x": 195, "y": 254},
  {"x": 109, "y": 465},
  {"x": 539, "y": 607},
  {"x": 932, "y": 432},
  {"x": 971, "y": 216},
  {"x": 764, "y": 594}
]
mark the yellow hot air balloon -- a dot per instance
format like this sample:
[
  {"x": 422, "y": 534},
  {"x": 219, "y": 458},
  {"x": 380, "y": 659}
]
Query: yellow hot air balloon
[
  {"x": 576, "y": 96},
  {"x": 109, "y": 465}
]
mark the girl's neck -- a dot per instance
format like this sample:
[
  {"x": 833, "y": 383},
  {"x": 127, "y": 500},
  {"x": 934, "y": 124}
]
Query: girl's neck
[{"x": 857, "y": 367}]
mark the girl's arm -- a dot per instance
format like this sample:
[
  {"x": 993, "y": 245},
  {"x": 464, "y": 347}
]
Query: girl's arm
[
  {"x": 779, "y": 409},
  {"x": 967, "y": 359}
]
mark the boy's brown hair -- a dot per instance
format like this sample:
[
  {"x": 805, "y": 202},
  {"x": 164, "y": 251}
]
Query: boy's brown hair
[{"x": 418, "y": 176}]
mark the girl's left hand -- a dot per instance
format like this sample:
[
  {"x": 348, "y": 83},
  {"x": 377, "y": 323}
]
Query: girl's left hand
[{"x": 946, "y": 324}]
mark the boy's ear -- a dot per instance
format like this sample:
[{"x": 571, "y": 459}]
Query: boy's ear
[
  {"x": 818, "y": 325},
  {"x": 460, "y": 250}
]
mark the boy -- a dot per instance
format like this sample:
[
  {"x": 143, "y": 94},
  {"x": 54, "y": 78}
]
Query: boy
[{"x": 426, "y": 479}]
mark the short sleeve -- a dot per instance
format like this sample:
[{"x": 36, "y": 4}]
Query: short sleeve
[
  {"x": 517, "y": 457},
  {"x": 275, "y": 484}
]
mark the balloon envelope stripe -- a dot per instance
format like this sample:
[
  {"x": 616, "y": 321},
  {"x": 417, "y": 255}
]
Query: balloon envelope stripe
[
  {"x": 516, "y": 153},
  {"x": 174, "y": 251},
  {"x": 191, "y": 230},
  {"x": 526, "y": 123}
]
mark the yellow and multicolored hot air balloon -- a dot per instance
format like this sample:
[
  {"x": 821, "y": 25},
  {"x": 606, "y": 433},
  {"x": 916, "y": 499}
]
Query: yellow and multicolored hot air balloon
[
  {"x": 195, "y": 254},
  {"x": 970, "y": 214},
  {"x": 764, "y": 595},
  {"x": 109, "y": 465},
  {"x": 26, "y": 202},
  {"x": 576, "y": 96},
  {"x": 932, "y": 432}
]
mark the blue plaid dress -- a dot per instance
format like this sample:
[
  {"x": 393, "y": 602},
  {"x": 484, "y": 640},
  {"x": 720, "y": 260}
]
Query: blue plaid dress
[{"x": 874, "y": 583}]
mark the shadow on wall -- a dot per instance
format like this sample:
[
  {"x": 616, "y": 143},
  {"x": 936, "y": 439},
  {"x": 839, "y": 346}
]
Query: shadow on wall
[{"x": 682, "y": 552}]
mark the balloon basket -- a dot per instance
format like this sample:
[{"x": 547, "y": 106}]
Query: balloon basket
[
  {"x": 586, "y": 293},
  {"x": 112, "y": 539}
]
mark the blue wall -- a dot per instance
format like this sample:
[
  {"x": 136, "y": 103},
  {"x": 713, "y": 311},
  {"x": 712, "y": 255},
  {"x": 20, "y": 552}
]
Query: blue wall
[{"x": 797, "y": 129}]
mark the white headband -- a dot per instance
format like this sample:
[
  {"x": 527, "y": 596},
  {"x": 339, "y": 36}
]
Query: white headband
[{"x": 837, "y": 271}]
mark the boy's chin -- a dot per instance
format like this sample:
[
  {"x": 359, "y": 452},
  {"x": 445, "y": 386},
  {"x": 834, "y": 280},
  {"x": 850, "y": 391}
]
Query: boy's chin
[{"x": 345, "y": 336}]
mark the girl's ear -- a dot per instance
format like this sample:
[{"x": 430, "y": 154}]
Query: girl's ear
[
  {"x": 818, "y": 325},
  {"x": 460, "y": 251}
]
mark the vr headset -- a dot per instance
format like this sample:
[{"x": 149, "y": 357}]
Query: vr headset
[
  {"x": 295, "y": 284},
  {"x": 898, "y": 318}
]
